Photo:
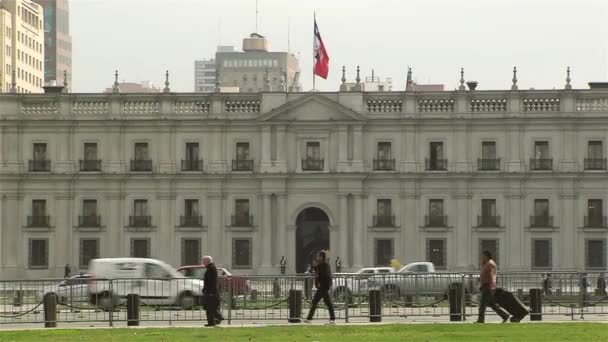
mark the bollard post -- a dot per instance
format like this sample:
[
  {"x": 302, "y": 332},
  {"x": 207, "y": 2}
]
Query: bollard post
[
  {"x": 375, "y": 306},
  {"x": 295, "y": 306},
  {"x": 50, "y": 310},
  {"x": 536, "y": 313},
  {"x": 455, "y": 298},
  {"x": 132, "y": 310},
  {"x": 18, "y": 298}
]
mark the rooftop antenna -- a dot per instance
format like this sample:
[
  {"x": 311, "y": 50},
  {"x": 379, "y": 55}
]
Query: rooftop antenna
[
  {"x": 219, "y": 32},
  {"x": 288, "y": 37},
  {"x": 256, "y": 16}
]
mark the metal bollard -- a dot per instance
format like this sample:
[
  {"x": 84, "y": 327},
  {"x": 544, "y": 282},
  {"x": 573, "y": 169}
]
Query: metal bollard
[
  {"x": 132, "y": 310},
  {"x": 276, "y": 289},
  {"x": 295, "y": 306},
  {"x": 375, "y": 306},
  {"x": 455, "y": 298},
  {"x": 536, "y": 307},
  {"x": 18, "y": 298},
  {"x": 50, "y": 310}
]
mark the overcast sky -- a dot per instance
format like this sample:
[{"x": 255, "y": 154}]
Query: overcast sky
[{"x": 142, "y": 38}]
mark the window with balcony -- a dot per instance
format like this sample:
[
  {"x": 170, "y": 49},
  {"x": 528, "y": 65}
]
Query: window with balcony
[
  {"x": 241, "y": 217},
  {"x": 384, "y": 160},
  {"x": 384, "y": 214},
  {"x": 191, "y": 251},
  {"x": 488, "y": 216},
  {"x": 595, "y": 254},
  {"x": 595, "y": 214},
  {"x": 436, "y": 216},
  {"x": 436, "y": 160},
  {"x": 436, "y": 252},
  {"x": 191, "y": 217},
  {"x": 89, "y": 250},
  {"x": 40, "y": 161},
  {"x": 490, "y": 245},
  {"x": 91, "y": 161},
  {"x": 89, "y": 217},
  {"x": 192, "y": 161},
  {"x": 243, "y": 161},
  {"x": 542, "y": 159},
  {"x": 241, "y": 253},
  {"x": 541, "y": 216},
  {"x": 595, "y": 156},
  {"x": 313, "y": 160},
  {"x": 142, "y": 161},
  {"x": 488, "y": 161},
  {"x": 383, "y": 252},
  {"x": 141, "y": 216},
  {"x": 542, "y": 258},
  {"x": 38, "y": 254},
  {"x": 39, "y": 218},
  {"x": 140, "y": 248}
]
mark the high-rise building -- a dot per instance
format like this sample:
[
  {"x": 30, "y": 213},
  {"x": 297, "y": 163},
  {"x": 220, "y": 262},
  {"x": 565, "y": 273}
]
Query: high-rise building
[
  {"x": 204, "y": 76},
  {"x": 57, "y": 41},
  {"x": 131, "y": 87},
  {"x": 257, "y": 69},
  {"x": 22, "y": 49}
]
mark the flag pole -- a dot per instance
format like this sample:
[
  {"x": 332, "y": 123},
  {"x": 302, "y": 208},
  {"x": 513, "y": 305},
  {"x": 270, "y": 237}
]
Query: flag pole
[{"x": 313, "y": 50}]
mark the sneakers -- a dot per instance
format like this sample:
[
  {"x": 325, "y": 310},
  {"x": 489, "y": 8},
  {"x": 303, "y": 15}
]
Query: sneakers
[
  {"x": 307, "y": 321},
  {"x": 210, "y": 325}
]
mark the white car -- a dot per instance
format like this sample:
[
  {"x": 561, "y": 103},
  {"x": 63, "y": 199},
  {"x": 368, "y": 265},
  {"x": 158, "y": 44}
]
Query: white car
[
  {"x": 71, "y": 290},
  {"x": 156, "y": 283},
  {"x": 346, "y": 285}
]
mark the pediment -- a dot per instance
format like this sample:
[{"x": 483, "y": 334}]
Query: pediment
[{"x": 312, "y": 107}]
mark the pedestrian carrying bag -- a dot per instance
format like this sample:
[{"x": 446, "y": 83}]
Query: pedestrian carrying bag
[{"x": 511, "y": 304}]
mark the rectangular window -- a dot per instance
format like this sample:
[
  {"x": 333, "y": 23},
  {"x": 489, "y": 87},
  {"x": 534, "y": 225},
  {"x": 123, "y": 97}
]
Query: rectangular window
[
  {"x": 542, "y": 254},
  {"x": 191, "y": 207},
  {"x": 595, "y": 212},
  {"x": 89, "y": 207},
  {"x": 490, "y": 245},
  {"x": 383, "y": 252},
  {"x": 141, "y": 151},
  {"x": 191, "y": 251},
  {"x": 383, "y": 207},
  {"x": 39, "y": 208},
  {"x": 38, "y": 254},
  {"x": 436, "y": 252},
  {"x": 595, "y": 150},
  {"x": 90, "y": 151},
  {"x": 488, "y": 150},
  {"x": 89, "y": 250},
  {"x": 384, "y": 150},
  {"x": 140, "y": 248},
  {"x": 313, "y": 150},
  {"x": 242, "y": 151},
  {"x": 541, "y": 208},
  {"x": 541, "y": 150},
  {"x": 436, "y": 152},
  {"x": 140, "y": 207},
  {"x": 192, "y": 151},
  {"x": 40, "y": 151},
  {"x": 488, "y": 213},
  {"x": 595, "y": 254},
  {"x": 241, "y": 207},
  {"x": 241, "y": 253},
  {"x": 436, "y": 207}
]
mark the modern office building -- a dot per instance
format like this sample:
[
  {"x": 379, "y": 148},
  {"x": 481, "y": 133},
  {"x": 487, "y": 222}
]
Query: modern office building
[
  {"x": 57, "y": 41},
  {"x": 22, "y": 49},
  {"x": 204, "y": 76},
  {"x": 133, "y": 87},
  {"x": 249, "y": 178},
  {"x": 257, "y": 69}
]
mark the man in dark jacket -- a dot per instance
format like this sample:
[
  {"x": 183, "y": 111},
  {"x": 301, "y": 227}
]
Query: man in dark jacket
[
  {"x": 323, "y": 284},
  {"x": 211, "y": 296}
]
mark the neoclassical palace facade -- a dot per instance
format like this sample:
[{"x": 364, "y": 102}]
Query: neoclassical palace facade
[{"x": 249, "y": 178}]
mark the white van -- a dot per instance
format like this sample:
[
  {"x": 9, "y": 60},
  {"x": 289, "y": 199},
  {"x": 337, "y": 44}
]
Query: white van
[{"x": 156, "y": 283}]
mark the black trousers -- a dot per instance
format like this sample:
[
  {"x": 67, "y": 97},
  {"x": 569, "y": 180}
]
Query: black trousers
[
  {"x": 487, "y": 299},
  {"x": 322, "y": 294},
  {"x": 212, "y": 304}
]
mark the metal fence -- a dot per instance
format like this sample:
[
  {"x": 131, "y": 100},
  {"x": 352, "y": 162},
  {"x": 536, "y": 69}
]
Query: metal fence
[{"x": 267, "y": 298}]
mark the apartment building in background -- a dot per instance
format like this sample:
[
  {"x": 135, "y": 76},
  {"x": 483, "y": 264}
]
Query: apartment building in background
[{"x": 57, "y": 41}]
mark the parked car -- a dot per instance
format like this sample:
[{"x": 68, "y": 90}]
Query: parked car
[
  {"x": 345, "y": 285},
  {"x": 239, "y": 284},
  {"x": 71, "y": 290},
  {"x": 156, "y": 283},
  {"x": 421, "y": 278}
]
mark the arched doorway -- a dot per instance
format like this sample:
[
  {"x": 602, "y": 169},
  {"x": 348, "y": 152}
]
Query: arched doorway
[{"x": 312, "y": 235}]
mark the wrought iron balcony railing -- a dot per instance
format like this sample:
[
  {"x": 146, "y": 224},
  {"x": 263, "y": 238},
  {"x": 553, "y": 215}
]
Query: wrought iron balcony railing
[
  {"x": 541, "y": 221},
  {"x": 38, "y": 221},
  {"x": 436, "y": 164},
  {"x": 384, "y": 164},
  {"x": 484, "y": 164},
  {"x": 90, "y": 165},
  {"x": 242, "y": 165},
  {"x": 541, "y": 164},
  {"x": 241, "y": 221},
  {"x": 312, "y": 164},
  {"x": 141, "y": 165},
  {"x": 192, "y": 165},
  {"x": 140, "y": 221},
  {"x": 596, "y": 221},
  {"x": 191, "y": 221},
  {"x": 40, "y": 165},
  {"x": 436, "y": 221},
  {"x": 384, "y": 220},
  {"x": 89, "y": 221},
  {"x": 488, "y": 221},
  {"x": 595, "y": 163}
]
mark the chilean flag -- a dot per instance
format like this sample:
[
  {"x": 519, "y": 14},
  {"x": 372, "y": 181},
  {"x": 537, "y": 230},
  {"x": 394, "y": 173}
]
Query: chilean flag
[{"x": 320, "y": 55}]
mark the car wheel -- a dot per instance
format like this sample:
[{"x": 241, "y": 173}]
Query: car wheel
[{"x": 186, "y": 301}]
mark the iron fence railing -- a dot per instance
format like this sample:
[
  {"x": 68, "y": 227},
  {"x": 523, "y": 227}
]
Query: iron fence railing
[
  {"x": 244, "y": 298},
  {"x": 90, "y": 165}
]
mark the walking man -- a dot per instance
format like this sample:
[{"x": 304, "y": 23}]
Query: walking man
[
  {"x": 323, "y": 284},
  {"x": 210, "y": 292},
  {"x": 67, "y": 271},
  {"x": 487, "y": 280}
]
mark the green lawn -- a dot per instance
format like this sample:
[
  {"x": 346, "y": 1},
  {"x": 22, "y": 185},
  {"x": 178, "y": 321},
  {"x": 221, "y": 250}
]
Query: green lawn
[{"x": 397, "y": 332}]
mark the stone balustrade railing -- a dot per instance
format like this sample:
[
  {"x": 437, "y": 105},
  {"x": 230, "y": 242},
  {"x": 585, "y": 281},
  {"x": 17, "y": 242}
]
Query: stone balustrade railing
[{"x": 248, "y": 106}]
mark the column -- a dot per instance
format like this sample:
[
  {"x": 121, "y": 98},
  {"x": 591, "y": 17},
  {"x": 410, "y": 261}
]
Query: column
[
  {"x": 266, "y": 230},
  {"x": 343, "y": 235},
  {"x": 281, "y": 162},
  {"x": 215, "y": 228},
  {"x": 514, "y": 226},
  {"x": 61, "y": 219},
  {"x": 568, "y": 241},
  {"x": 281, "y": 225},
  {"x": 462, "y": 231},
  {"x": 357, "y": 164},
  {"x": 217, "y": 164},
  {"x": 514, "y": 147},
  {"x": 409, "y": 162},
  {"x": 358, "y": 229},
  {"x": 342, "y": 164},
  {"x": 266, "y": 163}
]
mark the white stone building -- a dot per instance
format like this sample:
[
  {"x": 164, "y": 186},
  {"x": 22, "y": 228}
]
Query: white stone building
[{"x": 249, "y": 178}]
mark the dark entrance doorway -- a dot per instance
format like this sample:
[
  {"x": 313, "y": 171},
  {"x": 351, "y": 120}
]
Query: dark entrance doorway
[{"x": 312, "y": 235}]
